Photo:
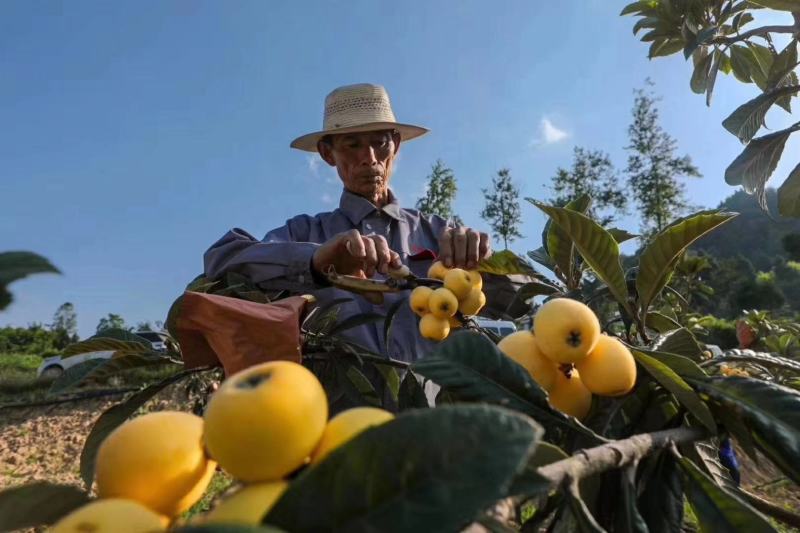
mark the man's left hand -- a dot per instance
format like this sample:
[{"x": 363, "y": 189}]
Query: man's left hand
[{"x": 463, "y": 247}]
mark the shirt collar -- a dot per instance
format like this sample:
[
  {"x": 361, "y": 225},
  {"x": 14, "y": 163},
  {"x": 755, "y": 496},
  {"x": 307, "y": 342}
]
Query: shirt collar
[{"x": 357, "y": 207}]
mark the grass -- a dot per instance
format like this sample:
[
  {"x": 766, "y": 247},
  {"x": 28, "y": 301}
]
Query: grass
[{"x": 218, "y": 485}]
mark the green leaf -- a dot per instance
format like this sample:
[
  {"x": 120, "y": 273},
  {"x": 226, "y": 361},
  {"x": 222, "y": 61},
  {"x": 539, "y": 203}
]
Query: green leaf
[
  {"x": 661, "y": 323},
  {"x": 661, "y": 48},
  {"x": 597, "y": 247},
  {"x": 748, "y": 118},
  {"x": 529, "y": 482},
  {"x": 743, "y": 63},
  {"x": 387, "y": 324},
  {"x": 560, "y": 246},
  {"x": 355, "y": 321},
  {"x": 584, "y": 522},
  {"x": 504, "y": 263},
  {"x": 699, "y": 80},
  {"x": 113, "y": 339},
  {"x": 18, "y": 265},
  {"x": 536, "y": 288},
  {"x": 473, "y": 369},
  {"x": 671, "y": 381},
  {"x": 455, "y": 461},
  {"x": 785, "y": 63},
  {"x": 112, "y": 418},
  {"x": 636, "y": 7},
  {"x": 363, "y": 386},
  {"x": 780, "y": 5},
  {"x": 645, "y": 22},
  {"x": 716, "y": 509},
  {"x": 657, "y": 262},
  {"x": 225, "y": 528},
  {"x": 75, "y": 375},
  {"x": 789, "y": 194},
  {"x": 764, "y": 58},
  {"x": 683, "y": 366},
  {"x": 38, "y": 504},
  {"x": 661, "y": 499},
  {"x": 411, "y": 395},
  {"x": 757, "y": 162},
  {"x": 772, "y": 413},
  {"x": 629, "y": 518},
  {"x": 681, "y": 342},
  {"x": 100, "y": 370},
  {"x": 541, "y": 256},
  {"x": 391, "y": 378},
  {"x": 621, "y": 235},
  {"x": 712, "y": 75}
]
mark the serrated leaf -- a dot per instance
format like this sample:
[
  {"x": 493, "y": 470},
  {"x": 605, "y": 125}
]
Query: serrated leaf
[
  {"x": 504, "y": 263},
  {"x": 789, "y": 194},
  {"x": 597, "y": 248},
  {"x": 18, "y": 265},
  {"x": 716, "y": 509},
  {"x": 473, "y": 369},
  {"x": 37, "y": 504},
  {"x": 636, "y": 7},
  {"x": 644, "y": 22},
  {"x": 662, "y": 48},
  {"x": 657, "y": 262},
  {"x": 411, "y": 395},
  {"x": 112, "y": 418},
  {"x": 763, "y": 58},
  {"x": 757, "y": 162},
  {"x": 772, "y": 413},
  {"x": 455, "y": 461},
  {"x": 118, "y": 340},
  {"x": 671, "y": 381},
  {"x": 541, "y": 256},
  {"x": 785, "y": 63},
  {"x": 748, "y": 118},
  {"x": 75, "y": 375},
  {"x": 681, "y": 342}
]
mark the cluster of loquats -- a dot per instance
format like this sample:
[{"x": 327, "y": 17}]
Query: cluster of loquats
[
  {"x": 462, "y": 292},
  {"x": 568, "y": 356},
  {"x": 264, "y": 424},
  {"x": 732, "y": 371}
]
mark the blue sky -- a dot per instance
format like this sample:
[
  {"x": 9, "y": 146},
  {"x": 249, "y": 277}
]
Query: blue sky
[{"x": 136, "y": 133}]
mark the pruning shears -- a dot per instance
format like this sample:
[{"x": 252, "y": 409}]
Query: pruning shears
[{"x": 373, "y": 290}]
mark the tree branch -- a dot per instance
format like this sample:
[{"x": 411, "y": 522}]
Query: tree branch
[
  {"x": 616, "y": 454},
  {"x": 759, "y": 32},
  {"x": 775, "y": 511}
]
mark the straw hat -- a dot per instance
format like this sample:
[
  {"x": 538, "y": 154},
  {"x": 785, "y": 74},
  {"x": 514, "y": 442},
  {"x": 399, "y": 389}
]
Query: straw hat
[{"x": 356, "y": 108}]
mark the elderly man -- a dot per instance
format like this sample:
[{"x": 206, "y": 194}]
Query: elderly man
[{"x": 366, "y": 236}]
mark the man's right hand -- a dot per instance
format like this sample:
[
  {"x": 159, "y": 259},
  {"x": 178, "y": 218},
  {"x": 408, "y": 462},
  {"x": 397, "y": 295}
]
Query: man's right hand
[{"x": 353, "y": 254}]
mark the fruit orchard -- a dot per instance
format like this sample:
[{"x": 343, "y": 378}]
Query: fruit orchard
[{"x": 605, "y": 415}]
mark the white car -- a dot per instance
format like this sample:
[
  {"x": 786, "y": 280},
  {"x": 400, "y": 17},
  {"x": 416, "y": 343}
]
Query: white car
[
  {"x": 53, "y": 367},
  {"x": 501, "y": 328}
]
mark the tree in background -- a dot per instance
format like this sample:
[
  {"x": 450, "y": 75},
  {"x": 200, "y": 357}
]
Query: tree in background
[
  {"x": 111, "y": 321},
  {"x": 719, "y": 37},
  {"x": 592, "y": 173},
  {"x": 440, "y": 193},
  {"x": 502, "y": 210},
  {"x": 653, "y": 168},
  {"x": 791, "y": 245},
  {"x": 64, "y": 326}
]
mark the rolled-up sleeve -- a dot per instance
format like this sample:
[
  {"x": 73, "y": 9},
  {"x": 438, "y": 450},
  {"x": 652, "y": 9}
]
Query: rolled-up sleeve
[{"x": 279, "y": 258}]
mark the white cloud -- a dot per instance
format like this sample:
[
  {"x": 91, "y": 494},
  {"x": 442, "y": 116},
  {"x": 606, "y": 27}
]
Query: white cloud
[
  {"x": 320, "y": 170},
  {"x": 327, "y": 199},
  {"x": 313, "y": 161},
  {"x": 549, "y": 133}
]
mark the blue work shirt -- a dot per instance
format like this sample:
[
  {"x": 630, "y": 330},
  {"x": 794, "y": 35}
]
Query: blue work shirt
[{"x": 282, "y": 260}]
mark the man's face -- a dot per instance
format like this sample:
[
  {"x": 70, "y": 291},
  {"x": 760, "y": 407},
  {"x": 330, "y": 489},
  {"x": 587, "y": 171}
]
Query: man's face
[{"x": 363, "y": 160}]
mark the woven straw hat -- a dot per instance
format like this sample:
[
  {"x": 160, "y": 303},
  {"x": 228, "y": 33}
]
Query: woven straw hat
[{"x": 357, "y": 108}]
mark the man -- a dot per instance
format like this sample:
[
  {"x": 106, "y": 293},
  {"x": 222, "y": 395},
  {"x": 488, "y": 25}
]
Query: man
[{"x": 368, "y": 234}]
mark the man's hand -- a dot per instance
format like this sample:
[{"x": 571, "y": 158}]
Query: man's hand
[
  {"x": 463, "y": 247},
  {"x": 354, "y": 254}
]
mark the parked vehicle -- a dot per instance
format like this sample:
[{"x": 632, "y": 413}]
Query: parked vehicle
[
  {"x": 501, "y": 328},
  {"x": 53, "y": 367}
]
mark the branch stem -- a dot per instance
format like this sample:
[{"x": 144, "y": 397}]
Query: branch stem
[
  {"x": 763, "y": 31},
  {"x": 616, "y": 454}
]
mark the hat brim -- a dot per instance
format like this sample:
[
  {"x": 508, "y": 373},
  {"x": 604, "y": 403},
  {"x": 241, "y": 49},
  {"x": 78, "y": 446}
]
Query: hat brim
[{"x": 308, "y": 142}]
